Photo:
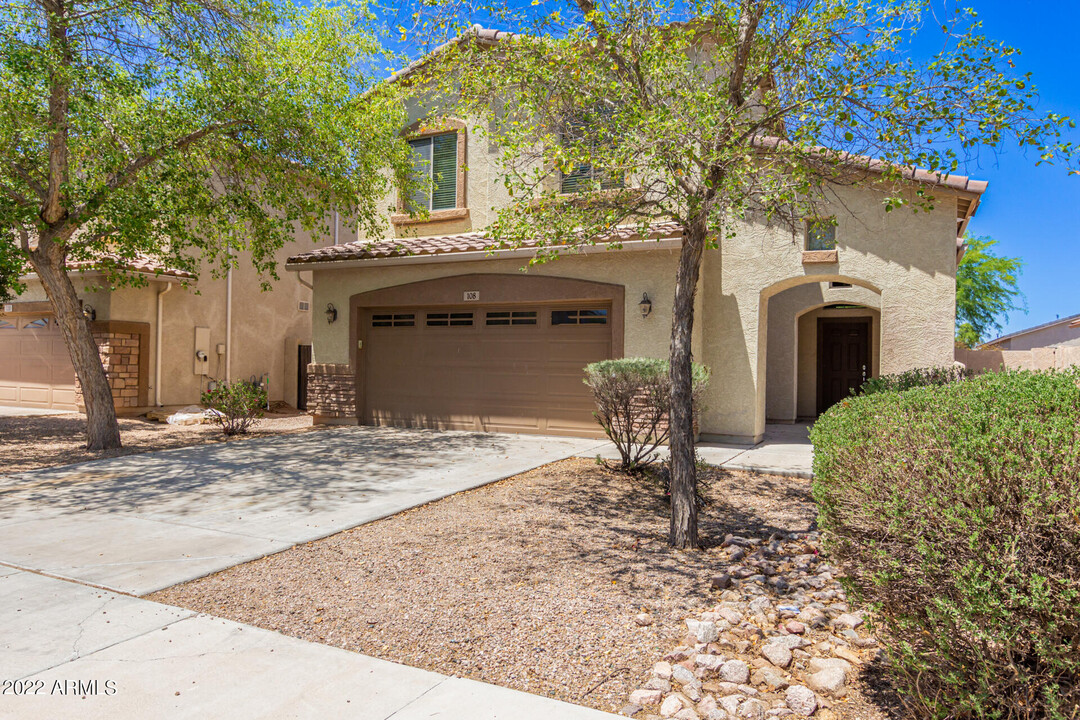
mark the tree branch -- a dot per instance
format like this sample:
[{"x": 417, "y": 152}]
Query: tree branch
[
  {"x": 27, "y": 178},
  {"x": 131, "y": 171}
]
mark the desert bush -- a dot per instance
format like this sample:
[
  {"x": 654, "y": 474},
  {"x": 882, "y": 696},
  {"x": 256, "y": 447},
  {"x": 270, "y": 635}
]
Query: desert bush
[
  {"x": 239, "y": 405},
  {"x": 954, "y": 511},
  {"x": 633, "y": 396},
  {"x": 919, "y": 377}
]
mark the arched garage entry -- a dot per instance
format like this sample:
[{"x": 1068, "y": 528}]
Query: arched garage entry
[
  {"x": 823, "y": 338},
  {"x": 487, "y": 352}
]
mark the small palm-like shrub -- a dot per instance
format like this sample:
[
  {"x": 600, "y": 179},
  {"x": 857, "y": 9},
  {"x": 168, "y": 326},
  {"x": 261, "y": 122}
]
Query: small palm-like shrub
[
  {"x": 633, "y": 397},
  {"x": 954, "y": 511},
  {"x": 239, "y": 405},
  {"x": 919, "y": 377}
]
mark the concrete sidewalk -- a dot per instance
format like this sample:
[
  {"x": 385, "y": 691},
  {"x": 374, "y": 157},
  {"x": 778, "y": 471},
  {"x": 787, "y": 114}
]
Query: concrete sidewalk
[
  {"x": 87, "y": 653},
  {"x": 786, "y": 450}
]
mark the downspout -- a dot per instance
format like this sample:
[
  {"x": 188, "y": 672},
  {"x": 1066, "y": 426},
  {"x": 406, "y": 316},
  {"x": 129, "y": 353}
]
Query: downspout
[
  {"x": 157, "y": 344},
  {"x": 337, "y": 221},
  {"x": 228, "y": 325}
]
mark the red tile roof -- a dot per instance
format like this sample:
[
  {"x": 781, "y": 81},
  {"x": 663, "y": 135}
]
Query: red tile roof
[
  {"x": 450, "y": 244},
  {"x": 140, "y": 264}
]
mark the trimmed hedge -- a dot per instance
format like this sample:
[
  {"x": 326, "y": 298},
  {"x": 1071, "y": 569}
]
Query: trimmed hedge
[
  {"x": 955, "y": 512},
  {"x": 919, "y": 377},
  {"x": 633, "y": 396}
]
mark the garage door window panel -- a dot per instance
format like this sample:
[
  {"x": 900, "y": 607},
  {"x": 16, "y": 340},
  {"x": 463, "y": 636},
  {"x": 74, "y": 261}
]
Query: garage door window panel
[
  {"x": 385, "y": 320},
  {"x": 512, "y": 317},
  {"x": 582, "y": 316},
  {"x": 450, "y": 319}
]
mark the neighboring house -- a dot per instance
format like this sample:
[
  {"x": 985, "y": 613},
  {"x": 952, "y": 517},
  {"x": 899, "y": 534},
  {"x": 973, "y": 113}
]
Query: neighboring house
[
  {"x": 432, "y": 330},
  {"x": 1052, "y": 345},
  {"x": 1054, "y": 332},
  {"x": 154, "y": 339}
]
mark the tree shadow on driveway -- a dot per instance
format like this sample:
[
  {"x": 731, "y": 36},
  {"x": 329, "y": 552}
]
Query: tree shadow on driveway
[{"x": 295, "y": 473}]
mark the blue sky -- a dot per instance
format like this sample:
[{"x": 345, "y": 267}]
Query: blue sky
[{"x": 1034, "y": 212}]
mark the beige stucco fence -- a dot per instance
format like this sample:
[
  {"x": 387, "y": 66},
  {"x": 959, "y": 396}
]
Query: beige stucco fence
[{"x": 1044, "y": 358}]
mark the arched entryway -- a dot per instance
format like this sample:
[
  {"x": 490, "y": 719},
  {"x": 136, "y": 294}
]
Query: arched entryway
[{"x": 822, "y": 339}]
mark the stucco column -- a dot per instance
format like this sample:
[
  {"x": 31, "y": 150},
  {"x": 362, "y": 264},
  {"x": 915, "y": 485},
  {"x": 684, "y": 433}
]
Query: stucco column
[
  {"x": 910, "y": 336},
  {"x": 733, "y": 346}
]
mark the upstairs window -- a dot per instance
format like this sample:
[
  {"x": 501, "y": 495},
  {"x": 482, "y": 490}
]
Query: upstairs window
[
  {"x": 435, "y": 162},
  {"x": 584, "y": 176},
  {"x": 821, "y": 234}
]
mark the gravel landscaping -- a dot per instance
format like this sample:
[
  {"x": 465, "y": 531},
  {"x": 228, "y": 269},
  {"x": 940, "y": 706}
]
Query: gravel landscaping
[
  {"x": 557, "y": 582},
  {"x": 30, "y": 443}
]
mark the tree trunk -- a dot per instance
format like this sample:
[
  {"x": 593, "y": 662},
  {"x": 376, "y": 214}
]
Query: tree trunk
[
  {"x": 684, "y": 531},
  {"x": 102, "y": 430}
]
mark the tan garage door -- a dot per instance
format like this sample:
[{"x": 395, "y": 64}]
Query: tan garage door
[
  {"x": 499, "y": 369},
  {"x": 35, "y": 368}
]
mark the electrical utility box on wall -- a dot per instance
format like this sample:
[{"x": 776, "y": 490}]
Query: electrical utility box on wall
[{"x": 202, "y": 351}]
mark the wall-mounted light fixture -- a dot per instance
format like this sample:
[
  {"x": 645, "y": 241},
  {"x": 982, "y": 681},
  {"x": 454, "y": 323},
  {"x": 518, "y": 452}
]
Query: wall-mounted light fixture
[
  {"x": 89, "y": 313},
  {"x": 331, "y": 313},
  {"x": 645, "y": 305}
]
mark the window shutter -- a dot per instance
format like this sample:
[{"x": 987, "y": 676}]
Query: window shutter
[
  {"x": 578, "y": 179},
  {"x": 444, "y": 171},
  {"x": 421, "y": 160}
]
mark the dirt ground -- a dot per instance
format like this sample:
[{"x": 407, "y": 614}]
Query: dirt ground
[
  {"x": 531, "y": 583},
  {"x": 29, "y": 443}
]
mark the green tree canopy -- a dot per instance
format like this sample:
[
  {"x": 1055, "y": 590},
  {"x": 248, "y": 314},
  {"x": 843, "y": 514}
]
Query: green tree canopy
[
  {"x": 987, "y": 290},
  {"x": 711, "y": 112},
  {"x": 189, "y": 131}
]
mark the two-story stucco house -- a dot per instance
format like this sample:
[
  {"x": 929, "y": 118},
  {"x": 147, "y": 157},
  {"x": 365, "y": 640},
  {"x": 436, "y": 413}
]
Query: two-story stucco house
[
  {"x": 432, "y": 330},
  {"x": 162, "y": 344}
]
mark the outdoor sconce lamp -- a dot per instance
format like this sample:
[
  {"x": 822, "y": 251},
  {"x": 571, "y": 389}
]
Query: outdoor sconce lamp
[
  {"x": 645, "y": 305},
  {"x": 89, "y": 313},
  {"x": 331, "y": 313}
]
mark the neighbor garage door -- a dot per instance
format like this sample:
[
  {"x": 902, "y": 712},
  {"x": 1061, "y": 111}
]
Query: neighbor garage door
[
  {"x": 494, "y": 368},
  {"x": 35, "y": 368}
]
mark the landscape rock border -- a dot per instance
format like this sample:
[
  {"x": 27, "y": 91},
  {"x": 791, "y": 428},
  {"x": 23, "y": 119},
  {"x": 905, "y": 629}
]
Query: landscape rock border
[{"x": 781, "y": 642}]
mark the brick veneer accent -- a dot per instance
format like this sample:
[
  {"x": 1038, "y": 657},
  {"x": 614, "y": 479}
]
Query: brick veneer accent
[
  {"x": 331, "y": 391},
  {"x": 124, "y": 353}
]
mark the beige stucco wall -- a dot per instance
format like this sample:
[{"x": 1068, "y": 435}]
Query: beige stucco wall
[
  {"x": 1043, "y": 358},
  {"x": 639, "y": 272},
  {"x": 907, "y": 258},
  {"x": 266, "y": 326},
  {"x": 905, "y": 261},
  {"x": 1042, "y": 337}
]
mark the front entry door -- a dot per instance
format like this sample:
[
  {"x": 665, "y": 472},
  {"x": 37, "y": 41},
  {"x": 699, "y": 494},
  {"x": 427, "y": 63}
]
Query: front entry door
[{"x": 843, "y": 359}]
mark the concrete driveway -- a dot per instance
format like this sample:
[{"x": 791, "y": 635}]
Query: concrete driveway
[
  {"x": 140, "y": 523},
  {"x": 69, "y": 647}
]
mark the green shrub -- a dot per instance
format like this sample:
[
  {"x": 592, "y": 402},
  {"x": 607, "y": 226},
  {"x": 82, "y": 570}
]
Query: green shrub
[
  {"x": 633, "y": 396},
  {"x": 955, "y": 512},
  {"x": 239, "y": 405},
  {"x": 919, "y": 377}
]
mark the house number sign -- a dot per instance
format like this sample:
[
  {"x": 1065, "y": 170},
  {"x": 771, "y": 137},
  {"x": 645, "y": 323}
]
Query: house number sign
[{"x": 472, "y": 295}]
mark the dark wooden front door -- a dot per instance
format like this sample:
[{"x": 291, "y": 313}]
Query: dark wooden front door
[
  {"x": 843, "y": 359},
  {"x": 303, "y": 359}
]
